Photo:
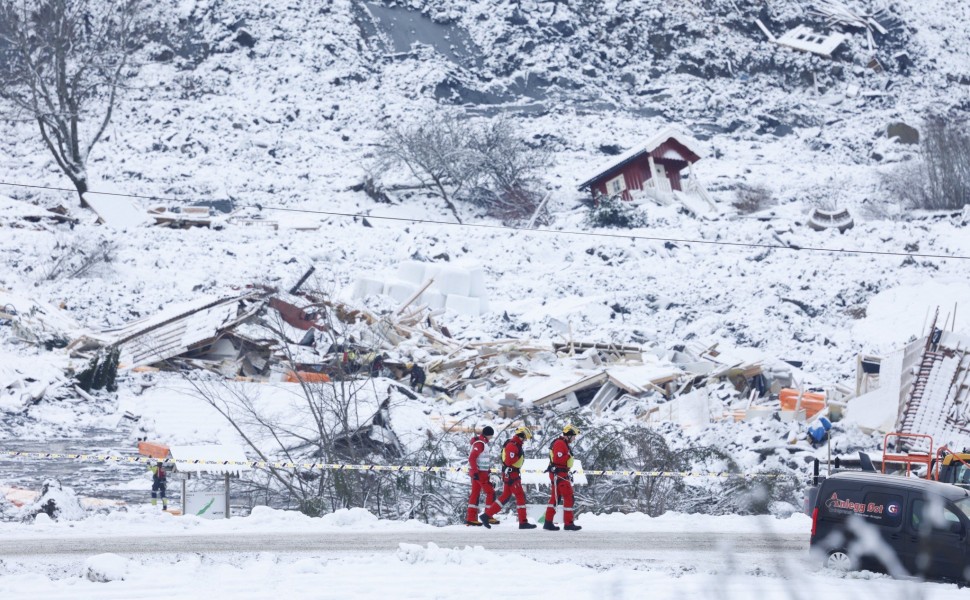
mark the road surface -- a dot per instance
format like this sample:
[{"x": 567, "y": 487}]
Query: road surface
[{"x": 586, "y": 547}]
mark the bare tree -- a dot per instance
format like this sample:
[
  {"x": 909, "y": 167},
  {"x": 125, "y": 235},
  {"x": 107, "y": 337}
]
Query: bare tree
[
  {"x": 940, "y": 179},
  {"x": 508, "y": 171},
  {"x": 61, "y": 65},
  {"x": 487, "y": 165},
  {"x": 436, "y": 152}
]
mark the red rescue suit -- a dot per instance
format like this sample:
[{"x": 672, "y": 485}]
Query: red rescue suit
[
  {"x": 561, "y": 461},
  {"x": 512, "y": 459},
  {"x": 479, "y": 470}
]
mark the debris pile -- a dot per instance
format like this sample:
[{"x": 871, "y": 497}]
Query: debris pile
[
  {"x": 263, "y": 334},
  {"x": 922, "y": 388},
  {"x": 267, "y": 335}
]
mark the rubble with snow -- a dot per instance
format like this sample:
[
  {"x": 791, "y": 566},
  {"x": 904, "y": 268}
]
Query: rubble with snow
[{"x": 688, "y": 327}]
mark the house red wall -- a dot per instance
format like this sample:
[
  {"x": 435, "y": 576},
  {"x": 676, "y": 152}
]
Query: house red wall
[{"x": 636, "y": 172}]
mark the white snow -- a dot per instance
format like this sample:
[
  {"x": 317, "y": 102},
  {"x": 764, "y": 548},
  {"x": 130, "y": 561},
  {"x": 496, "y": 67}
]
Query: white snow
[{"x": 415, "y": 570}]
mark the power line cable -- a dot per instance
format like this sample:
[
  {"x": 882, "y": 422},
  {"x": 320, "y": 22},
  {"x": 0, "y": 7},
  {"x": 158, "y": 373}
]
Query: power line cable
[{"x": 595, "y": 234}]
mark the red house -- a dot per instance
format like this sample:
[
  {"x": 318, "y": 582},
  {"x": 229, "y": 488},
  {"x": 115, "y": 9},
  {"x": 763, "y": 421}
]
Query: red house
[{"x": 660, "y": 170}]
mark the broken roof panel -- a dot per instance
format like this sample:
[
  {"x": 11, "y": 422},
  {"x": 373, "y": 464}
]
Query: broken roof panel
[
  {"x": 637, "y": 379},
  {"x": 805, "y": 39},
  {"x": 937, "y": 397},
  {"x": 540, "y": 388},
  {"x": 177, "y": 329}
]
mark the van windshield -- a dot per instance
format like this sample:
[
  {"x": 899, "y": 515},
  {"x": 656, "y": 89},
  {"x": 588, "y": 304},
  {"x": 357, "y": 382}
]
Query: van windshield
[{"x": 963, "y": 505}]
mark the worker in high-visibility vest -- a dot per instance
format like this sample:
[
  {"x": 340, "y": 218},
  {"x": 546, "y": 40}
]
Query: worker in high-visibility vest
[
  {"x": 480, "y": 471},
  {"x": 560, "y": 475},
  {"x": 513, "y": 456},
  {"x": 159, "y": 482}
]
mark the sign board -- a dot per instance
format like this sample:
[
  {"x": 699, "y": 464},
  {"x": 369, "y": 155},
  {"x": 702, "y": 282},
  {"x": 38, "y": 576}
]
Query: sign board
[
  {"x": 206, "y": 504},
  {"x": 540, "y": 464}
]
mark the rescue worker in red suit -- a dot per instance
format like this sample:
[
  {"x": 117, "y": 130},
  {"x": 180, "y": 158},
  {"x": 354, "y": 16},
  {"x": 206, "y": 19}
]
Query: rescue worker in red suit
[
  {"x": 479, "y": 469},
  {"x": 512, "y": 459},
  {"x": 560, "y": 465}
]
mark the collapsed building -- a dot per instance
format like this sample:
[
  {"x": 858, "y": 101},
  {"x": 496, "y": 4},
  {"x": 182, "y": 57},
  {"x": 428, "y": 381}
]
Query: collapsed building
[
  {"x": 262, "y": 334},
  {"x": 922, "y": 388}
]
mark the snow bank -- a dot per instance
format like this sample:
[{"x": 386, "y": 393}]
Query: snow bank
[
  {"x": 57, "y": 502},
  {"x": 106, "y": 567},
  {"x": 414, "y": 553}
]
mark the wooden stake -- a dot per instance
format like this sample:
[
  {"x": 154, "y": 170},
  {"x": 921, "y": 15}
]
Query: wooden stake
[{"x": 415, "y": 296}]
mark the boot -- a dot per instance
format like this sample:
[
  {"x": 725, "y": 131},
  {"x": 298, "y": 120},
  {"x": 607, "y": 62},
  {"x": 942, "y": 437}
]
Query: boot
[
  {"x": 473, "y": 523},
  {"x": 485, "y": 520},
  {"x": 527, "y": 526},
  {"x": 572, "y": 527},
  {"x": 550, "y": 526},
  {"x": 493, "y": 521}
]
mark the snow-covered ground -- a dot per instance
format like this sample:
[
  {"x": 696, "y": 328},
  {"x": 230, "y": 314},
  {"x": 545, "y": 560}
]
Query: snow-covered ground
[{"x": 426, "y": 569}]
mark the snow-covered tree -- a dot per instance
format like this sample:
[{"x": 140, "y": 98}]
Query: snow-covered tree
[{"x": 62, "y": 63}]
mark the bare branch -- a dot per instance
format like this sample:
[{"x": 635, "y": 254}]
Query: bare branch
[{"x": 65, "y": 64}]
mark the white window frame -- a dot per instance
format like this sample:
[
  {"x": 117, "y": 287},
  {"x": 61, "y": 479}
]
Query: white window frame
[{"x": 616, "y": 185}]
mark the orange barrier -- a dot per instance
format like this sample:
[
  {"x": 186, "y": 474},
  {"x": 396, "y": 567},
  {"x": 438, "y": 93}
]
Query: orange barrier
[
  {"x": 812, "y": 402},
  {"x": 153, "y": 449},
  {"x": 305, "y": 377}
]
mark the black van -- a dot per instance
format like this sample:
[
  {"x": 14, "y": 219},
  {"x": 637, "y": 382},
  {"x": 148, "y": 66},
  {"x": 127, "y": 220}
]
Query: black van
[{"x": 904, "y": 526}]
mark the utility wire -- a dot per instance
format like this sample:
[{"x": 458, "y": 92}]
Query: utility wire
[{"x": 521, "y": 230}]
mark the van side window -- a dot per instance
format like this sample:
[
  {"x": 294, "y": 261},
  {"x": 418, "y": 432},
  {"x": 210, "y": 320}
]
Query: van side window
[{"x": 934, "y": 516}]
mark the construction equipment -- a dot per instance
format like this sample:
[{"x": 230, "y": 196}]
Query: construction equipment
[
  {"x": 953, "y": 467},
  {"x": 942, "y": 464}
]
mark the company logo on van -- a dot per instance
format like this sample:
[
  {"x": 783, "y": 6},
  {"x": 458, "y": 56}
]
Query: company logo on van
[
  {"x": 893, "y": 509},
  {"x": 861, "y": 508}
]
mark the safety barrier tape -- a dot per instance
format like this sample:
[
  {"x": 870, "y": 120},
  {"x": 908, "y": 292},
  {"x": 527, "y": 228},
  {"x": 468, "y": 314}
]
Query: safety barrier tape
[{"x": 345, "y": 467}]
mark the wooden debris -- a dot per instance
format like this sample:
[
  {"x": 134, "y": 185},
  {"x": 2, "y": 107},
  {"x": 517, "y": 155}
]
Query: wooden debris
[{"x": 836, "y": 13}]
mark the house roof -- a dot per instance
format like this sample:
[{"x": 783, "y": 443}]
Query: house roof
[
  {"x": 177, "y": 328},
  {"x": 652, "y": 144}
]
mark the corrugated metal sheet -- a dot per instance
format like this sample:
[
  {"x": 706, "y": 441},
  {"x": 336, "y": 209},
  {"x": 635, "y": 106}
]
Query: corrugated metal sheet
[{"x": 178, "y": 329}]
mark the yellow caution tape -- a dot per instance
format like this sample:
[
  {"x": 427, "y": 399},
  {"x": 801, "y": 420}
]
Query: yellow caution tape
[{"x": 262, "y": 464}]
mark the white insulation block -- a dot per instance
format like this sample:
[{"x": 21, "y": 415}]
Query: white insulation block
[
  {"x": 476, "y": 276},
  {"x": 366, "y": 286},
  {"x": 411, "y": 271},
  {"x": 399, "y": 290},
  {"x": 452, "y": 280},
  {"x": 464, "y": 305},
  {"x": 433, "y": 299}
]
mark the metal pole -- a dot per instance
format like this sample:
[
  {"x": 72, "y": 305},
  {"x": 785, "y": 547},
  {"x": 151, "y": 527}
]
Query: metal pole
[
  {"x": 829, "y": 439},
  {"x": 227, "y": 495}
]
